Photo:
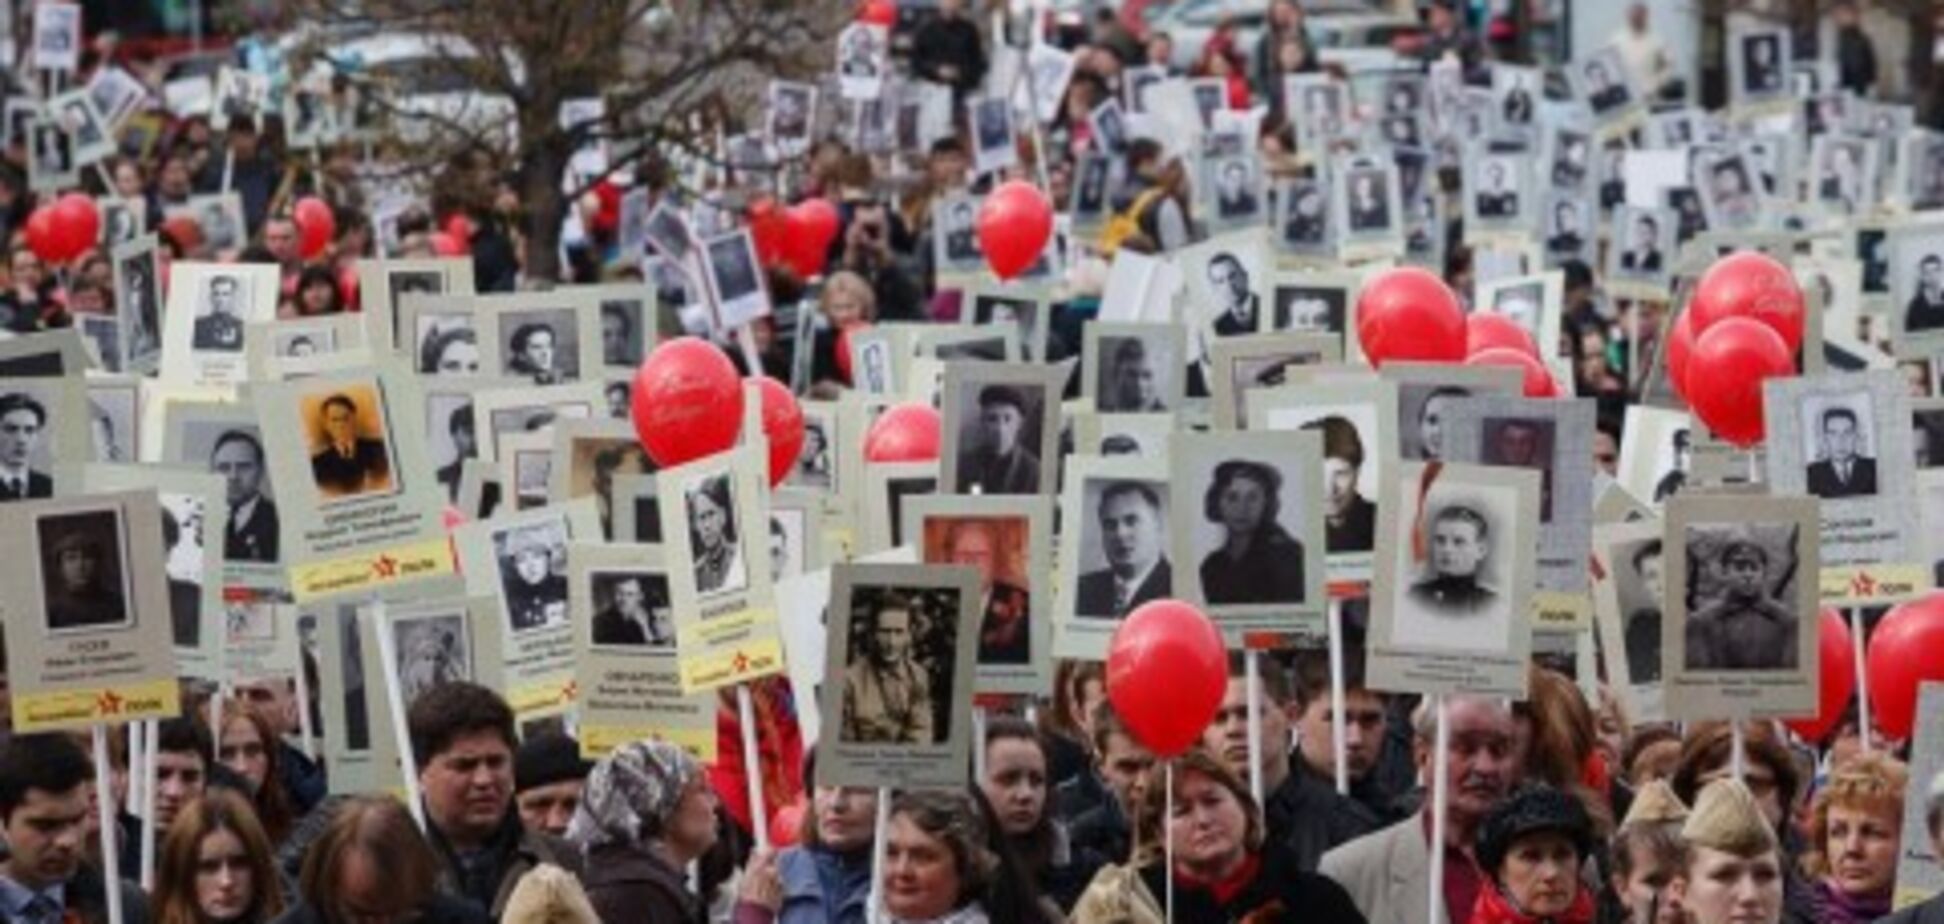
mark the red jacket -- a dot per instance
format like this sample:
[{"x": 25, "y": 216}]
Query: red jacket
[{"x": 1494, "y": 908}]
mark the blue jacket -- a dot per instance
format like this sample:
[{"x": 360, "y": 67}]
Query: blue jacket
[{"x": 819, "y": 887}]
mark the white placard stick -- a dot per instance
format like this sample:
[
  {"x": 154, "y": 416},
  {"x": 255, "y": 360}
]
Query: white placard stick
[
  {"x": 978, "y": 744},
  {"x": 1440, "y": 800},
  {"x": 1167, "y": 839},
  {"x": 1862, "y": 678},
  {"x": 752, "y": 361},
  {"x": 408, "y": 762},
  {"x": 105, "y": 799},
  {"x": 229, "y": 166},
  {"x": 1339, "y": 732},
  {"x": 875, "y": 906},
  {"x": 150, "y": 754},
  {"x": 304, "y": 730},
  {"x": 1738, "y": 751},
  {"x": 1253, "y": 680},
  {"x": 752, "y": 767}
]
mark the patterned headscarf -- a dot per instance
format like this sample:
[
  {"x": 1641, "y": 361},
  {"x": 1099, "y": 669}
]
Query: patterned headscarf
[{"x": 631, "y": 793}]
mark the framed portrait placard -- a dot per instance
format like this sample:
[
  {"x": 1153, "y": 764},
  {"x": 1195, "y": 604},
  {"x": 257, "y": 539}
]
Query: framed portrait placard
[
  {"x": 1629, "y": 583},
  {"x": 1359, "y": 449},
  {"x": 714, "y": 518},
  {"x": 1455, "y": 568},
  {"x": 362, "y": 508},
  {"x": 1550, "y": 436},
  {"x": 1238, "y": 365},
  {"x": 624, "y": 651},
  {"x": 1918, "y": 875},
  {"x": 587, "y": 456},
  {"x": 192, "y": 507},
  {"x": 277, "y": 349},
  {"x": 498, "y": 412},
  {"x": 1122, "y": 434},
  {"x": 1114, "y": 555},
  {"x": 44, "y": 428},
  {"x": 382, "y": 283},
  {"x": 1426, "y": 394},
  {"x": 1846, "y": 438},
  {"x": 1001, "y": 428},
  {"x": 1252, "y": 551},
  {"x": 434, "y": 641},
  {"x": 88, "y": 603},
  {"x": 1008, "y": 542},
  {"x": 897, "y": 693},
  {"x": 209, "y": 304},
  {"x": 888, "y": 486},
  {"x": 1656, "y": 452},
  {"x": 227, "y": 440},
  {"x": 519, "y": 561},
  {"x": 259, "y": 641},
  {"x": 546, "y": 338},
  {"x": 349, "y": 692},
  {"x": 1132, "y": 367},
  {"x": 1740, "y": 617}
]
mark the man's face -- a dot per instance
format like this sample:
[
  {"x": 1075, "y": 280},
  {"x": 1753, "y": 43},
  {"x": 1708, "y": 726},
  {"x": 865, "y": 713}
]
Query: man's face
[
  {"x": 892, "y": 636},
  {"x": 222, "y": 296},
  {"x": 280, "y": 238},
  {"x": 614, "y": 338},
  {"x": 1130, "y": 533},
  {"x": 1455, "y": 549},
  {"x": 46, "y": 835},
  {"x": 539, "y": 350},
  {"x": 1229, "y": 281},
  {"x": 532, "y": 564},
  {"x": 20, "y": 432},
  {"x": 1134, "y": 382},
  {"x": 973, "y": 546},
  {"x": 1124, "y": 766},
  {"x": 469, "y": 785},
  {"x": 1339, "y": 485},
  {"x": 1650, "y": 578},
  {"x": 1000, "y": 423},
  {"x": 1234, "y": 178},
  {"x": 78, "y": 566},
  {"x": 547, "y": 809},
  {"x": 1744, "y": 572},
  {"x": 1228, "y": 735},
  {"x": 1643, "y": 235},
  {"x": 242, "y": 471},
  {"x": 339, "y": 424},
  {"x": 1728, "y": 185},
  {"x": 1839, "y": 438},
  {"x": 1930, "y": 273},
  {"x": 709, "y": 521},
  {"x": 1479, "y": 762},
  {"x": 179, "y": 780},
  {"x": 628, "y": 597},
  {"x": 1495, "y": 175},
  {"x": 1519, "y": 445},
  {"x": 1363, "y": 714}
]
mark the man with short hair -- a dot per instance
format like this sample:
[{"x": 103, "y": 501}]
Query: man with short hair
[
  {"x": 1643, "y": 628},
  {"x": 463, "y": 741},
  {"x": 1842, "y": 472},
  {"x": 1101, "y": 802},
  {"x": 1388, "y": 873},
  {"x": 1229, "y": 279},
  {"x": 459, "y": 425},
  {"x": 183, "y": 756},
  {"x": 1005, "y": 631},
  {"x": 632, "y": 618},
  {"x": 1234, "y": 198},
  {"x": 252, "y": 532},
  {"x": 1460, "y": 543},
  {"x": 1133, "y": 386},
  {"x": 348, "y": 463},
  {"x": 1300, "y": 811},
  {"x": 1000, "y": 463},
  {"x": 23, "y": 424},
  {"x": 617, "y": 336},
  {"x": 1743, "y": 628},
  {"x": 1642, "y": 254},
  {"x": 221, "y": 329},
  {"x": 46, "y": 815},
  {"x": 1497, "y": 198},
  {"x": 1131, "y": 540},
  {"x": 1365, "y": 727},
  {"x": 887, "y": 695},
  {"x": 548, "y": 777},
  {"x": 1349, "y": 520},
  {"x": 1926, "y": 309}
]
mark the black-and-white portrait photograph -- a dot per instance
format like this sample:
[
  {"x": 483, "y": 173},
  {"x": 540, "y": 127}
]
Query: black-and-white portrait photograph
[
  {"x": 631, "y": 609},
  {"x": 541, "y": 344},
  {"x": 1137, "y": 374},
  {"x": 992, "y": 134},
  {"x": 1303, "y": 217},
  {"x": 433, "y": 650},
  {"x": 1843, "y": 173},
  {"x": 26, "y": 456},
  {"x": 1019, "y": 312},
  {"x": 954, "y": 220},
  {"x": 1092, "y": 187},
  {"x": 1838, "y": 442},
  {"x": 302, "y": 343},
  {"x": 1923, "y": 160},
  {"x": 1424, "y": 410},
  {"x": 669, "y": 233},
  {"x": 898, "y": 678},
  {"x": 1914, "y": 269},
  {"x": 815, "y": 465},
  {"x": 1307, "y": 308},
  {"x": 1109, "y": 127},
  {"x": 1123, "y": 547},
  {"x": 85, "y": 579},
  {"x": 786, "y": 542},
  {"x": 184, "y": 556},
  {"x": 57, "y": 36},
  {"x": 1927, "y": 432},
  {"x": 714, "y": 535},
  {"x": 1369, "y": 203},
  {"x": 1739, "y": 590},
  {"x": 452, "y": 437},
  {"x": 1523, "y": 442},
  {"x": 1643, "y": 246},
  {"x": 1237, "y": 188},
  {"x": 1638, "y": 575},
  {"x": 235, "y": 452},
  {"x": 1569, "y": 226},
  {"x": 447, "y": 344},
  {"x": 1001, "y": 427},
  {"x": 1258, "y": 517},
  {"x": 621, "y": 331},
  {"x": 1601, "y": 80},
  {"x": 101, "y": 336},
  {"x": 1517, "y": 92},
  {"x": 85, "y": 127},
  {"x": 532, "y": 560},
  {"x": 861, "y": 63},
  {"x": 1729, "y": 193},
  {"x": 137, "y": 302},
  {"x": 219, "y": 313},
  {"x": 736, "y": 279},
  {"x": 1569, "y": 151},
  {"x": 1764, "y": 65},
  {"x": 1226, "y": 281},
  {"x": 1497, "y": 196},
  {"x": 791, "y": 109},
  {"x": 1456, "y": 596},
  {"x": 53, "y": 163}
]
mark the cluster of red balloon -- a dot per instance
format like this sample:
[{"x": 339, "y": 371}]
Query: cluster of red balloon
[
  {"x": 1837, "y": 680},
  {"x": 1906, "y": 649},
  {"x": 878, "y": 13},
  {"x": 1014, "y": 224},
  {"x": 798, "y": 237},
  {"x": 1167, "y": 672},
  {"x": 64, "y": 229},
  {"x": 1410, "y": 315},
  {"x": 1742, "y": 327},
  {"x": 687, "y": 403}
]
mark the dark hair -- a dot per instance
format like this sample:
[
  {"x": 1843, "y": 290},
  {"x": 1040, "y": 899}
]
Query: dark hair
[
  {"x": 1839, "y": 412},
  {"x": 614, "y": 310},
  {"x": 238, "y": 436},
  {"x": 449, "y": 711},
  {"x": 435, "y": 345},
  {"x": 179, "y": 736},
  {"x": 461, "y": 416},
  {"x": 381, "y": 828},
  {"x": 1260, "y": 473},
  {"x": 1312, "y": 676},
  {"x": 1650, "y": 548},
  {"x": 315, "y": 276},
  {"x": 1119, "y": 489},
  {"x": 1276, "y": 685},
  {"x": 1709, "y": 745},
  {"x": 1002, "y": 394},
  {"x": 1463, "y": 514},
  {"x": 957, "y": 820},
  {"x": 50, "y": 762},
  {"x": 525, "y": 332},
  {"x": 171, "y": 531},
  {"x": 340, "y": 399},
  {"x": 1340, "y": 439},
  {"x": 21, "y": 401}
]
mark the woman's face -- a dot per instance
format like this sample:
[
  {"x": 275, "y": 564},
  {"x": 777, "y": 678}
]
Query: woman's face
[
  {"x": 920, "y": 875},
  {"x": 708, "y": 521},
  {"x": 1015, "y": 784},
  {"x": 223, "y": 883},
  {"x": 532, "y": 564},
  {"x": 846, "y": 817},
  {"x": 317, "y": 296},
  {"x": 245, "y": 752},
  {"x": 844, "y": 306},
  {"x": 1242, "y": 504},
  {"x": 1647, "y": 878},
  {"x": 691, "y": 829},
  {"x": 1208, "y": 826},
  {"x": 460, "y": 357},
  {"x": 1723, "y": 888},
  {"x": 1863, "y": 848},
  {"x": 539, "y": 350},
  {"x": 1541, "y": 873}
]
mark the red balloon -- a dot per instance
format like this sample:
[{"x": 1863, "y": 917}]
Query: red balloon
[
  {"x": 1014, "y": 224},
  {"x": 844, "y": 350},
  {"x": 445, "y": 245},
  {"x": 1485, "y": 330},
  {"x": 1750, "y": 284},
  {"x": 77, "y": 224},
  {"x": 461, "y": 227},
  {"x": 812, "y": 226},
  {"x": 1680, "y": 349},
  {"x": 770, "y": 229},
  {"x": 40, "y": 234},
  {"x": 1409, "y": 314},
  {"x": 1837, "y": 679},
  {"x": 906, "y": 432},
  {"x": 786, "y": 826},
  {"x": 1731, "y": 360},
  {"x": 1538, "y": 379},
  {"x": 1167, "y": 672},
  {"x": 316, "y": 226},
  {"x": 1906, "y": 649},
  {"x": 687, "y": 402},
  {"x": 782, "y": 427},
  {"x": 878, "y": 13}
]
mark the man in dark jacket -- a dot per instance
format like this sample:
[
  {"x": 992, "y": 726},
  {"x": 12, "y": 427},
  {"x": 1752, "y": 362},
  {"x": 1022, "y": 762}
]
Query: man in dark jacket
[
  {"x": 1856, "y": 61},
  {"x": 1364, "y": 715},
  {"x": 949, "y": 50},
  {"x": 44, "y": 814}
]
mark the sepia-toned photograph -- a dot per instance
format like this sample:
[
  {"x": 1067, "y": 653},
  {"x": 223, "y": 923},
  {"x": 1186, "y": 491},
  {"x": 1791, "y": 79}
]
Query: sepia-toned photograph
[
  {"x": 997, "y": 548},
  {"x": 347, "y": 438},
  {"x": 432, "y": 650},
  {"x": 85, "y": 579}
]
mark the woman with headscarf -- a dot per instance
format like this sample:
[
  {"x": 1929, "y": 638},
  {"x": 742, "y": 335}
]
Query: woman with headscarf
[
  {"x": 1531, "y": 849},
  {"x": 647, "y": 811}
]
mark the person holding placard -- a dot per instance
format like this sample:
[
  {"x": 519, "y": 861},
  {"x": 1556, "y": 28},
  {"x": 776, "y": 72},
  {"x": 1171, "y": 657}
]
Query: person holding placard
[
  {"x": 372, "y": 864},
  {"x": 1931, "y": 909},
  {"x": 648, "y": 811},
  {"x": 45, "y": 809},
  {"x": 1120, "y": 768},
  {"x": 940, "y": 866},
  {"x": 826, "y": 878},
  {"x": 1363, "y": 731}
]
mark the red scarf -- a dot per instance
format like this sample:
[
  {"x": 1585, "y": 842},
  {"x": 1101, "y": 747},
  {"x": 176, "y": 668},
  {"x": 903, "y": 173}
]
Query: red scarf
[
  {"x": 1494, "y": 908},
  {"x": 1226, "y": 888}
]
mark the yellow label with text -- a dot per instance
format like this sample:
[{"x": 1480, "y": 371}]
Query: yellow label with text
[
  {"x": 38, "y": 712},
  {"x": 758, "y": 656},
  {"x": 1561, "y": 612},
  {"x": 1861, "y": 584},
  {"x": 547, "y": 697},
  {"x": 368, "y": 570},
  {"x": 598, "y": 740}
]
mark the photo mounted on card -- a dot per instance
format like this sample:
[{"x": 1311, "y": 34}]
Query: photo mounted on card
[
  {"x": 1359, "y": 444},
  {"x": 1629, "y": 586},
  {"x": 87, "y": 596},
  {"x": 1919, "y": 876},
  {"x": 51, "y": 165},
  {"x": 795, "y": 538},
  {"x": 1842, "y": 175},
  {"x": 1097, "y": 176},
  {"x": 955, "y": 241},
  {"x": 1368, "y": 207},
  {"x": 1603, "y": 80},
  {"x": 209, "y": 304},
  {"x": 1550, "y": 436},
  {"x": 310, "y": 120},
  {"x": 637, "y": 510},
  {"x": 431, "y": 642},
  {"x": 863, "y": 61},
  {"x": 89, "y": 135},
  {"x": 875, "y": 362},
  {"x": 1570, "y": 226},
  {"x": 587, "y": 456},
  {"x": 1835, "y": 284},
  {"x": 1144, "y": 435},
  {"x": 1656, "y": 452},
  {"x": 1919, "y": 180},
  {"x": 439, "y": 334},
  {"x": 897, "y": 699},
  {"x": 1227, "y": 283},
  {"x": 499, "y": 412},
  {"x": 1451, "y": 600},
  {"x": 1239, "y": 365},
  {"x": 114, "y": 415},
  {"x": 1233, "y": 197},
  {"x": 1252, "y": 552},
  {"x": 1847, "y": 439},
  {"x": 1640, "y": 258},
  {"x": 1426, "y": 394},
  {"x": 1758, "y": 69},
  {"x": 259, "y": 638},
  {"x": 791, "y": 115},
  {"x": 1120, "y": 509},
  {"x": 350, "y": 690},
  {"x": 887, "y": 486},
  {"x": 383, "y": 283},
  {"x": 272, "y": 350},
  {"x": 138, "y": 301},
  {"x": 226, "y": 440},
  {"x": 1731, "y": 196},
  {"x": 624, "y": 647},
  {"x": 526, "y": 464},
  {"x": 714, "y": 527},
  {"x": 816, "y": 465},
  {"x": 1535, "y": 302},
  {"x": 1308, "y": 302},
  {"x": 362, "y": 511},
  {"x": 546, "y": 338},
  {"x": 1741, "y": 615},
  {"x": 1133, "y": 367},
  {"x": 1025, "y": 309},
  {"x": 1915, "y": 275},
  {"x": 192, "y": 506},
  {"x": 220, "y": 216},
  {"x": 57, "y": 36},
  {"x": 736, "y": 279},
  {"x": 969, "y": 344},
  {"x": 992, "y": 134},
  {"x": 1498, "y": 198},
  {"x": 627, "y": 323},
  {"x": 1001, "y": 428},
  {"x": 519, "y": 560},
  {"x": 1305, "y": 231},
  {"x": 1007, "y": 542},
  {"x": 1325, "y": 108},
  {"x": 45, "y": 426}
]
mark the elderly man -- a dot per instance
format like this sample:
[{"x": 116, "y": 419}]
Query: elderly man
[
  {"x": 887, "y": 695},
  {"x": 1388, "y": 873}
]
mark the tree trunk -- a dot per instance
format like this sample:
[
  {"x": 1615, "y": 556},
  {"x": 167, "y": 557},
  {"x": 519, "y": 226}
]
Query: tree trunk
[{"x": 545, "y": 209}]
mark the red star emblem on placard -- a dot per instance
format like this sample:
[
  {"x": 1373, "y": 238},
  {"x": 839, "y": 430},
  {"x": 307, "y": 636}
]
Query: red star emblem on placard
[
  {"x": 109, "y": 702},
  {"x": 741, "y": 662},
  {"x": 571, "y": 690},
  {"x": 385, "y": 565},
  {"x": 1863, "y": 585}
]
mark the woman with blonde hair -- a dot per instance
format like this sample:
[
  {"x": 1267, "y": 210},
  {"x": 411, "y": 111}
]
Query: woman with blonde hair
[
  {"x": 1855, "y": 828},
  {"x": 848, "y": 303},
  {"x": 215, "y": 867}
]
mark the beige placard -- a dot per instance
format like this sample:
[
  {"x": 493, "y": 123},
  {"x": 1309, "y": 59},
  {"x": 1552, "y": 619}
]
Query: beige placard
[
  {"x": 193, "y": 508},
  {"x": 519, "y": 561},
  {"x": 625, "y": 655},
  {"x": 382, "y": 283},
  {"x": 714, "y": 517},
  {"x": 209, "y": 306},
  {"x": 1248, "y": 530},
  {"x": 1008, "y": 541}
]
